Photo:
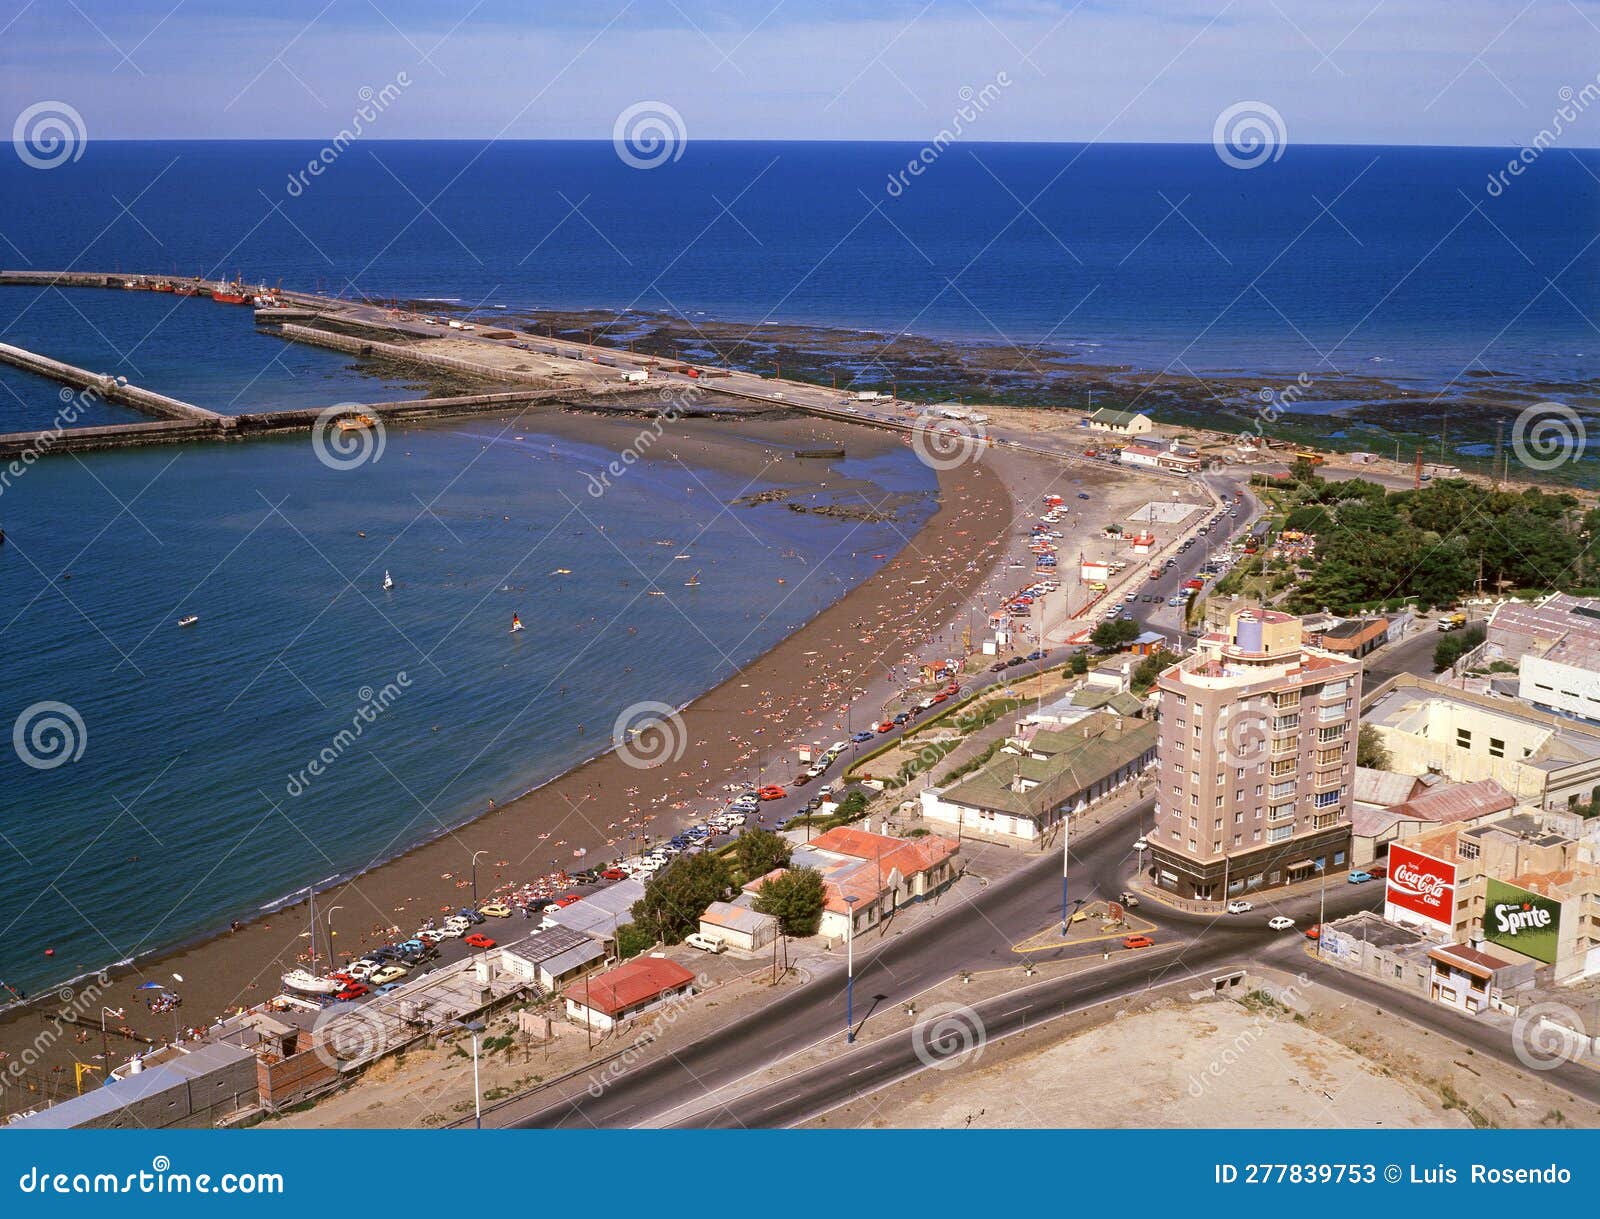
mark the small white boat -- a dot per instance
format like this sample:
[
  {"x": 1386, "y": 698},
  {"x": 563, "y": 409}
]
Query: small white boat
[
  {"x": 189, "y": 620},
  {"x": 308, "y": 983},
  {"x": 516, "y": 624},
  {"x": 388, "y": 580}
]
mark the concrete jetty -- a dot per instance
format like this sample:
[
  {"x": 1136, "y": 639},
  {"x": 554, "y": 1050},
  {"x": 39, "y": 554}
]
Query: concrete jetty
[{"x": 102, "y": 385}]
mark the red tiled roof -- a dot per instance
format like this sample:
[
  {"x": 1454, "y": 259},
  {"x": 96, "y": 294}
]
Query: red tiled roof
[{"x": 639, "y": 981}]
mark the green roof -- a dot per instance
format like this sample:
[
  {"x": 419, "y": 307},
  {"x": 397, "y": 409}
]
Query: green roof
[
  {"x": 1084, "y": 754},
  {"x": 1116, "y": 418}
]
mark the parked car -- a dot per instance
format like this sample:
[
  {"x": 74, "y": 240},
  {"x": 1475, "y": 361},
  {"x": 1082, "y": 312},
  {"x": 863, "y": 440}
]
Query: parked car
[
  {"x": 858, "y": 737},
  {"x": 1140, "y": 844},
  {"x": 1130, "y": 900},
  {"x": 772, "y": 792},
  {"x": 353, "y": 991},
  {"x": 1280, "y": 923},
  {"x": 1138, "y": 941},
  {"x": 613, "y": 874},
  {"x": 1314, "y": 932},
  {"x": 1239, "y": 906},
  {"x": 478, "y": 940},
  {"x": 1359, "y": 878},
  {"x": 497, "y": 910},
  {"x": 705, "y": 943},
  {"x": 472, "y": 916},
  {"x": 389, "y": 973}
]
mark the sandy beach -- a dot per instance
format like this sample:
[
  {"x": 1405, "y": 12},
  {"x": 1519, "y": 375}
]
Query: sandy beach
[{"x": 794, "y": 693}]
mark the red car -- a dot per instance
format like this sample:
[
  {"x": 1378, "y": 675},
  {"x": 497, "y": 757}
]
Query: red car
[
  {"x": 613, "y": 874},
  {"x": 940, "y": 697},
  {"x": 886, "y": 726},
  {"x": 1138, "y": 941},
  {"x": 568, "y": 900},
  {"x": 352, "y": 990},
  {"x": 1314, "y": 932},
  {"x": 771, "y": 792},
  {"x": 477, "y": 940}
]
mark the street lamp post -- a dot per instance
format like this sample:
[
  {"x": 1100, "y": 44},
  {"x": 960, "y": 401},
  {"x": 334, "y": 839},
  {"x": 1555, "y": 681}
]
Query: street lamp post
[
  {"x": 475, "y": 1027},
  {"x": 327, "y": 923},
  {"x": 1322, "y": 902},
  {"x": 850, "y": 969},
  {"x": 475, "y": 855},
  {"x": 105, "y": 1044},
  {"x": 1066, "y": 833}
]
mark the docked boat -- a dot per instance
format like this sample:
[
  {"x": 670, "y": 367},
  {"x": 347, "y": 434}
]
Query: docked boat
[
  {"x": 162, "y": 286},
  {"x": 189, "y": 289},
  {"x": 309, "y": 984},
  {"x": 189, "y": 620},
  {"x": 356, "y": 423},
  {"x": 230, "y": 294}
]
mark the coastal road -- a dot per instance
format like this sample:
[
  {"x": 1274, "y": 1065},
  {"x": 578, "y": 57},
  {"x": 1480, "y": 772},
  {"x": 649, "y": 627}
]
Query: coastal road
[{"x": 974, "y": 933}]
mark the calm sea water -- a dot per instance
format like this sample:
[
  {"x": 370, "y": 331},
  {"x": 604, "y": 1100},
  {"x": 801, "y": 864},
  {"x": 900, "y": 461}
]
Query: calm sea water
[
  {"x": 1371, "y": 259},
  {"x": 1394, "y": 259},
  {"x": 178, "y": 813}
]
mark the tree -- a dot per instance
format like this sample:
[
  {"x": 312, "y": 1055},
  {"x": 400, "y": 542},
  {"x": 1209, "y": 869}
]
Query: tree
[
  {"x": 795, "y": 899},
  {"x": 1148, "y": 669},
  {"x": 1456, "y": 645},
  {"x": 676, "y": 896},
  {"x": 632, "y": 939},
  {"x": 1079, "y": 664},
  {"x": 760, "y": 851},
  {"x": 1371, "y": 752},
  {"x": 1110, "y": 636}
]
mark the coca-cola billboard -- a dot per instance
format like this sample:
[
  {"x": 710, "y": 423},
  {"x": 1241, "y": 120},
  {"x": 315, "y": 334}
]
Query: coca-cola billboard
[{"x": 1421, "y": 885}]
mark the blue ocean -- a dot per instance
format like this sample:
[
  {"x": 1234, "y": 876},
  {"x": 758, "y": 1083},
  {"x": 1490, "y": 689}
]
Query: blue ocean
[{"x": 175, "y": 816}]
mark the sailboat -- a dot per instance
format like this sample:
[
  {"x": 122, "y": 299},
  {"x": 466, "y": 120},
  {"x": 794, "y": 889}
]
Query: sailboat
[
  {"x": 693, "y": 581},
  {"x": 388, "y": 580},
  {"x": 308, "y": 983},
  {"x": 516, "y": 624}
]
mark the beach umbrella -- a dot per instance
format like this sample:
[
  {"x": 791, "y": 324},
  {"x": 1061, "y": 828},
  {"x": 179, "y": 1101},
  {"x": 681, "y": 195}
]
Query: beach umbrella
[{"x": 148, "y": 986}]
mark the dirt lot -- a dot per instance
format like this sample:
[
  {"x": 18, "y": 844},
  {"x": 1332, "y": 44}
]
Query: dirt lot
[{"x": 1182, "y": 1065}]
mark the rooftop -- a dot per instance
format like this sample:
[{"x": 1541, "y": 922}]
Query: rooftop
[{"x": 638, "y": 981}]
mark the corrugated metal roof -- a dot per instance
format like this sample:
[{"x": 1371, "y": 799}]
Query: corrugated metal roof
[{"x": 99, "y": 1102}]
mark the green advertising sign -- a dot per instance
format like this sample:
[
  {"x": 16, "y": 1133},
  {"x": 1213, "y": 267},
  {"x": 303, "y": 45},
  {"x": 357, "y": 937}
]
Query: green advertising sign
[{"x": 1523, "y": 921}]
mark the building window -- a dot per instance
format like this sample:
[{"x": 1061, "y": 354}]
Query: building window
[
  {"x": 1497, "y": 747},
  {"x": 1463, "y": 738},
  {"x": 1279, "y": 833},
  {"x": 1324, "y": 799}
]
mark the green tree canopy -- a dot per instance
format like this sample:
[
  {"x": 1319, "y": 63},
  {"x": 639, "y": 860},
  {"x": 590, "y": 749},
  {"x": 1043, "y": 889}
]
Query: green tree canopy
[
  {"x": 759, "y": 851},
  {"x": 1370, "y": 749},
  {"x": 795, "y": 899},
  {"x": 675, "y": 897},
  {"x": 1112, "y": 635}
]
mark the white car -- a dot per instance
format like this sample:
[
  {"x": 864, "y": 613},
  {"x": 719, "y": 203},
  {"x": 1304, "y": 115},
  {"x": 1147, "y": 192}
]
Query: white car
[
  {"x": 1280, "y": 923},
  {"x": 1140, "y": 844},
  {"x": 705, "y": 943},
  {"x": 1239, "y": 906},
  {"x": 362, "y": 969}
]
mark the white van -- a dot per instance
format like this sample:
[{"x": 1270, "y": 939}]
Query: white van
[{"x": 705, "y": 943}]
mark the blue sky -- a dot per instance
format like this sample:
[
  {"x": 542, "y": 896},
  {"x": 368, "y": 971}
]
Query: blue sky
[{"x": 1363, "y": 71}]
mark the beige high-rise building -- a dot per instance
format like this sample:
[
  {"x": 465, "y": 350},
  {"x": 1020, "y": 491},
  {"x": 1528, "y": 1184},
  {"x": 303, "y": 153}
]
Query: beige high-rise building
[{"x": 1256, "y": 760}]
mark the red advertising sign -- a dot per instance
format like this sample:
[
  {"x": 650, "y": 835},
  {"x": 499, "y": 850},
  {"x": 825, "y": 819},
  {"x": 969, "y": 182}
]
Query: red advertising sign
[{"x": 1421, "y": 884}]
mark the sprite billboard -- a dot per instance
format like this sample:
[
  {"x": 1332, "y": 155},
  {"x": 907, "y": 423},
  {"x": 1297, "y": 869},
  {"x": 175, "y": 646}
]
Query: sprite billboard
[{"x": 1521, "y": 921}]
